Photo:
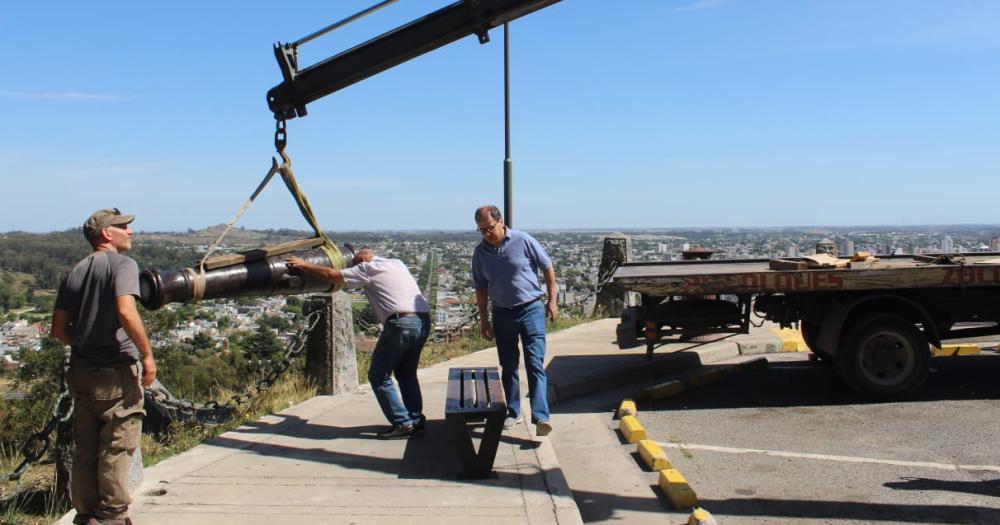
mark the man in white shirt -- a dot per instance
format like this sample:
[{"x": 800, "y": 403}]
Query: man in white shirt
[{"x": 405, "y": 318}]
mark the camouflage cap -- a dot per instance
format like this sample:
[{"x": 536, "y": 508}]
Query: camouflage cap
[{"x": 104, "y": 218}]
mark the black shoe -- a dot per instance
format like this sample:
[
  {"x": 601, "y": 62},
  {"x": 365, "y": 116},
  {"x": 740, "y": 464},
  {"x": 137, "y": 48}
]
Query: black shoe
[
  {"x": 400, "y": 432},
  {"x": 420, "y": 426}
]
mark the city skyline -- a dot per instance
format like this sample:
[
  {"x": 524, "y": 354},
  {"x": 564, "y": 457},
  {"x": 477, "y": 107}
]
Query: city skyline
[{"x": 659, "y": 114}]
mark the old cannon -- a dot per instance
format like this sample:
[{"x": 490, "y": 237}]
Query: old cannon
[{"x": 259, "y": 272}]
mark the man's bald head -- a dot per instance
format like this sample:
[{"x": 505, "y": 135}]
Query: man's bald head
[
  {"x": 489, "y": 210},
  {"x": 364, "y": 255}
]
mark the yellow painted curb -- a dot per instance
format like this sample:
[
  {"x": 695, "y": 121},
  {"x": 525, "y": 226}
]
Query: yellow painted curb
[
  {"x": 791, "y": 340},
  {"x": 662, "y": 390},
  {"x": 701, "y": 517},
  {"x": 627, "y": 408},
  {"x": 631, "y": 429},
  {"x": 948, "y": 350},
  {"x": 676, "y": 488},
  {"x": 654, "y": 456},
  {"x": 709, "y": 376}
]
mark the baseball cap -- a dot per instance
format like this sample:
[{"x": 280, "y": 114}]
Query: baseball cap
[{"x": 104, "y": 218}]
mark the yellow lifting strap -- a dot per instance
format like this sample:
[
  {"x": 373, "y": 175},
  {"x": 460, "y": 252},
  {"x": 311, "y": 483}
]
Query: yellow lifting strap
[
  {"x": 285, "y": 169},
  {"x": 331, "y": 250}
]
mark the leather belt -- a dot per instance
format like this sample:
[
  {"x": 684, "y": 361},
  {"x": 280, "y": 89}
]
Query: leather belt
[{"x": 398, "y": 315}]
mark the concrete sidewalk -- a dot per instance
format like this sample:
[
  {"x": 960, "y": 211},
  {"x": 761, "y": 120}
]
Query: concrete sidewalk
[{"x": 320, "y": 462}]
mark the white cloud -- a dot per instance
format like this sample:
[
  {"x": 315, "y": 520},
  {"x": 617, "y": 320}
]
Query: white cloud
[
  {"x": 699, "y": 5},
  {"x": 68, "y": 95}
]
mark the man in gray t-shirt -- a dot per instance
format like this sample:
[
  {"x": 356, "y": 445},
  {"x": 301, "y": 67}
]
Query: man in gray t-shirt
[{"x": 95, "y": 313}]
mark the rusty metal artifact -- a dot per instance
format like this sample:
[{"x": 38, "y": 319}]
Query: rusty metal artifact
[{"x": 263, "y": 276}]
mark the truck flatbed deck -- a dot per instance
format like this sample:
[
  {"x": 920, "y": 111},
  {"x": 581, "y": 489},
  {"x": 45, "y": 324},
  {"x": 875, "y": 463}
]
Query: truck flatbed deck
[
  {"x": 754, "y": 276},
  {"x": 875, "y": 320}
]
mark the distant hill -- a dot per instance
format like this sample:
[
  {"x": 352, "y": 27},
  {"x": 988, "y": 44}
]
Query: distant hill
[{"x": 237, "y": 237}]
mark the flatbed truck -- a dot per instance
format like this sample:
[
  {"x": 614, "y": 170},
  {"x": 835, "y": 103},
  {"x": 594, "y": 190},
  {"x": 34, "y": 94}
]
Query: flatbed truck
[{"x": 876, "y": 322}]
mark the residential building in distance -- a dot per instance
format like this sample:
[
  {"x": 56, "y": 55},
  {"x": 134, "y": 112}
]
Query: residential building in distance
[
  {"x": 847, "y": 247},
  {"x": 947, "y": 244}
]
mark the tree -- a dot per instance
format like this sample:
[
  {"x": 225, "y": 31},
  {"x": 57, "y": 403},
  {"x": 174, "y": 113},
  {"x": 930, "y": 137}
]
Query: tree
[
  {"x": 201, "y": 341},
  {"x": 39, "y": 378},
  {"x": 261, "y": 344},
  {"x": 275, "y": 322}
]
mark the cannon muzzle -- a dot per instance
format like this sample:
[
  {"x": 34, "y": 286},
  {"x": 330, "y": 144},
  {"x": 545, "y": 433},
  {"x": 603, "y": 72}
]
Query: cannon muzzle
[{"x": 262, "y": 276}]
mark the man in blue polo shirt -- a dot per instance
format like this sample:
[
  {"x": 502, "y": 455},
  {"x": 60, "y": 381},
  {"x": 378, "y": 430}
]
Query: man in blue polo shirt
[{"x": 505, "y": 269}]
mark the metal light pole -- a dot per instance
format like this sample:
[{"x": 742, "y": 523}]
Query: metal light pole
[{"x": 508, "y": 168}]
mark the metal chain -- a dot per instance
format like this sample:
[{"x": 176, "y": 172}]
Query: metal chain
[
  {"x": 280, "y": 135},
  {"x": 602, "y": 281},
  {"x": 37, "y": 444},
  {"x": 452, "y": 331},
  {"x": 214, "y": 410}
]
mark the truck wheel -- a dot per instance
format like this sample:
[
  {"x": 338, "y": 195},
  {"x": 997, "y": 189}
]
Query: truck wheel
[
  {"x": 884, "y": 357},
  {"x": 810, "y": 334}
]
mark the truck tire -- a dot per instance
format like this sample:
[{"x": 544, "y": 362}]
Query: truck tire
[
  {"x": 810, "y": 334},
  {"x": 884, "y": 358}
]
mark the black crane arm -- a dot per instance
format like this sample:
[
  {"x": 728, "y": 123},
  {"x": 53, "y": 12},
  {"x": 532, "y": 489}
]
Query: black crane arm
[{"x": 444, "y": 26}]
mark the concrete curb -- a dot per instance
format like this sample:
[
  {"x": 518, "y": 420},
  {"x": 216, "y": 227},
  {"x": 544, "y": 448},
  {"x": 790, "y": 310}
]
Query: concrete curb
[
  {"x": 653, "y": 455},
  {"x": 699, "y": 378},
  {"x": 760, "y": 344},
  {"x": 957, "y": 349},
  {"x": 677, "y": 489},
  {"x": 626, "y": 408},
  {"x": 670, "y": 480},
  {"x": 631, "y": 429},
  {"x": 563, "y": 503}
]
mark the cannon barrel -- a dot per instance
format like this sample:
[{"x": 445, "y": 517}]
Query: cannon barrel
[{"x": 258, "y": 277}]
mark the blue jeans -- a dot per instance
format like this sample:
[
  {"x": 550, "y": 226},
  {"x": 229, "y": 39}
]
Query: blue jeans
[
  {"x": 397, "y": 352},
  {"x": 527, "y": 322}
]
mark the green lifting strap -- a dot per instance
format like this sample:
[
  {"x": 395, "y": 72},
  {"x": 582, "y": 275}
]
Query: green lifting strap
[{"x": 331, "y": 250}]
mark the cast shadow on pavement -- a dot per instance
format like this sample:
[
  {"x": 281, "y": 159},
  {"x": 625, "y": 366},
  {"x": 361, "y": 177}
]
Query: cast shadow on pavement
[
  {"x": 981, "y": 487},
  {"x": 601, "y": 506},
  {"x": 803, "y": 384},
  {"x": 762, "y": 508},
  {"x": 428, "y": 457}
]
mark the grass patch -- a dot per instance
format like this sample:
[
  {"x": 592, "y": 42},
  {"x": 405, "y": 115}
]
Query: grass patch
[
  {"x": 36, "y": 504},
  {"x": 291, "y": 389},
  {"x": 435, "y": 352}
]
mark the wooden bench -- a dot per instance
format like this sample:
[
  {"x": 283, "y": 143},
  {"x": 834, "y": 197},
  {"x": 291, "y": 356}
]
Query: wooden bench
[{"x": 475, "y": 394}]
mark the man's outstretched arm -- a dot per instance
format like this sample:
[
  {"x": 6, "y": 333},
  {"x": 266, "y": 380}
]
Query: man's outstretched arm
[{"x": 325, "y": 273}]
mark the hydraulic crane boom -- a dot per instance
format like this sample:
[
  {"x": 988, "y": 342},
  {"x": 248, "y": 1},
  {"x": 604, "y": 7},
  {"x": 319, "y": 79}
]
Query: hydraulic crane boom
[{"x": 444, "y": 26}]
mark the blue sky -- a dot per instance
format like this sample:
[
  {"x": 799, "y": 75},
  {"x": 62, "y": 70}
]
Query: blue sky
[{"x": 644, "y": 113}]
